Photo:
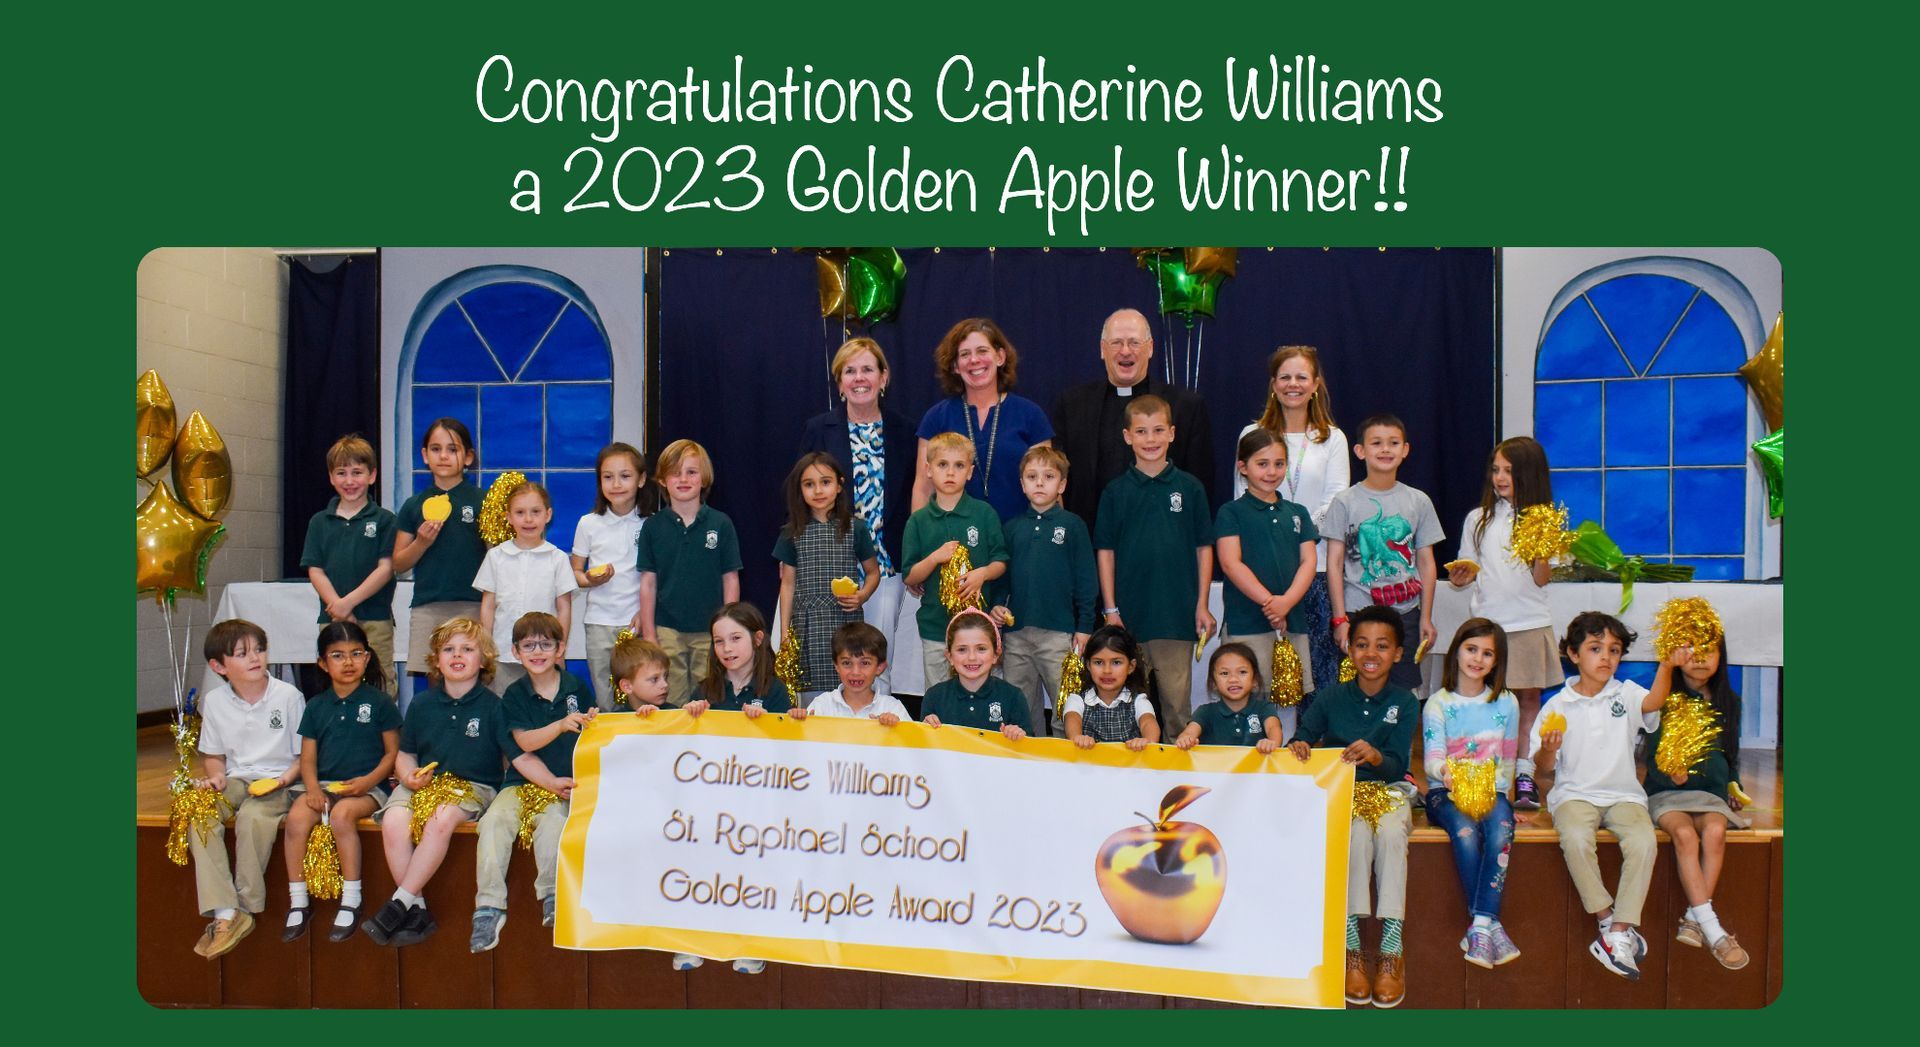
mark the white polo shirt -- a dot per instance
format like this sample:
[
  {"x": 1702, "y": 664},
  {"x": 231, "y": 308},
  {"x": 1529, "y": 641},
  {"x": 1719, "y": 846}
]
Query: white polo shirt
[
  {"x": 1504, "y": 590},
  {"x": 1077, "y": 703},
  {"x": 832, "y": 704},
  {"x": 522, "y": 580},
  {"x": 605, "y": 538},
  {"x": 1595, "y": 762},
  {"x": 259, "y": 739}
]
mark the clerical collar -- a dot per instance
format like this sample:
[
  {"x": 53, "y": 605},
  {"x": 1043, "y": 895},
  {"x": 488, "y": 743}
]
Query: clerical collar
[{"x": 1124, "y": 390}]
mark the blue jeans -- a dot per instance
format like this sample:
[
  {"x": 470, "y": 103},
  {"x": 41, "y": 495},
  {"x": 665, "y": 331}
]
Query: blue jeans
[{"x": 1480, "y": 849}]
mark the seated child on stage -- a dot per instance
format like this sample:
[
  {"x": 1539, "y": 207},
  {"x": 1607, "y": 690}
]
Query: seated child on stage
[
  {"x": 973, "y": 696},
  {"x": 860, "y": 658},
  {"x": 1110, "y": 711},
  {"x": 1239, "y": 713}
]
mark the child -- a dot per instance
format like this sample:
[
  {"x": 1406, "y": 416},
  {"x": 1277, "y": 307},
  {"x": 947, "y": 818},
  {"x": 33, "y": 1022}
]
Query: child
[
  {"x": 640, "y": 670},
  {"x": 1154, "y": 549},
  {"x": 527, "y": 573},
  {"x": 1595, "y": 783},
  {"x": 443, "y": 554},
  {"x": 1513, "y": 595},
  {"x": 1047, "y": 598},
  {"x": 860, "y": 657},
  {"x": 1109, "y": 711},
  {"x": 951, "y": 518},
  {"x": 349, "y": 550},
  {"x": 1266, "y": 548},
  {"x": 544, "y": 712},
  {"x": 1371, "y": 719},
  {"x": 246, "y": 736},
  {"x": 1380, "y": 539},
  {"x": 821, "y": 542},
  {"x": 1240, "y": 714},
  {"x": 973, "y": 696},
  {"x": 349, "y": 736},
  {"x": 739, "y": 675},
  {"x": 605, "y": 543},
  {"x": 1474, "y": 717},
  {"x": 454, "y": 728},
  {"x": 689, "y": 564},
  {"x": 1696, "y": 806}
]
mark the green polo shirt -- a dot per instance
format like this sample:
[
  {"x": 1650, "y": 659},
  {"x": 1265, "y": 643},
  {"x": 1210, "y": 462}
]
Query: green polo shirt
[
  {"x": 1154, "y": 525},
  {"x": 996, "y": 704},
  {"x": 1050, "y": 581},
  {"x": 526, "y": 710},
  {"x": 1220, "y": 725},
  {"x": 445, "y": 571},
  {"x": 1270, "y": 537},
  {"x": 776, "y": 700},
  {"x": 1342, "y": 714},
  {"x": 348, "y": 549},
  {"x": 468, "y": 738},
  {"x": 688, "y": 561},
  {"x": 346, "y": 732},
  {"x": 973, "y": 524}
]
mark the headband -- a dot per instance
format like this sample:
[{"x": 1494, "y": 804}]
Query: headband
[{"x": 991, "y": 624}]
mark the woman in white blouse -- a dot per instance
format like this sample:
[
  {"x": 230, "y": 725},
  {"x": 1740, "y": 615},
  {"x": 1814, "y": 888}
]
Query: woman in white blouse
[{"x": 1300, "y": 412}]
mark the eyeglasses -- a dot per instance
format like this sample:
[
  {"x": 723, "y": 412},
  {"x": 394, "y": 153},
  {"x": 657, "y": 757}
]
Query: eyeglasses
[
  {"x": 343, "y": 657},
  {"x": 1124, "y": 343},
  {"x": 537, "y": 645}
]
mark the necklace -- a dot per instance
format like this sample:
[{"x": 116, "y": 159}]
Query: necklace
[
  {"x": 993, "y": 437},
  {"x": 1294, "y": 464}
]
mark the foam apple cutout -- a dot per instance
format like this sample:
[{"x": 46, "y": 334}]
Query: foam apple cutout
[{"x": 1164, "y": 880}]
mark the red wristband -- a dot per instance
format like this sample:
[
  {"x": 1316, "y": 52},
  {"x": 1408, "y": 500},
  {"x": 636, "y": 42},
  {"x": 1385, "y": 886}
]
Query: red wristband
[{"x": 1337, "y": 622}]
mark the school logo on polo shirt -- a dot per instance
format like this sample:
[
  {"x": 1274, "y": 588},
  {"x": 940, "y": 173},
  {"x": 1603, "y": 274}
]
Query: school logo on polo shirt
[
  {"x": 1618, "y": 709},
  {"x": 973, "y": 537},
  {"x": 365, "y": 713},
  {"x": 466, "y": 514},
  {"x": 473, "y": 727},
  {"x": 371, "y": 527},
  {"x": 1059, "y": 536},
  {"x": 1296, "y": 525},
  {"x": 573, "y": 704},
  {"x": 1393, "y": 715},
  {"x": 1253, "y": 721},
  {"x": 993, "y": 711},
  {"x": 1174, "y": 502},
  {"x": 274, "y": 721},
  {"x": 713, "y": 539}
]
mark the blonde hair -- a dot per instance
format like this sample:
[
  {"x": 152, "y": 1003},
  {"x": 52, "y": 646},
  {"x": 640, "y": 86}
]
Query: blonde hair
[
  {"x": 677, "y": 452},
  {"x": 854, "y": 347},
  {"x": 1319, "y": 406},
  {"x": 489, "y": 654},
  {"x": 1048, "y": 455},
  {"x": 351, "y": 449},
  {"x": 949, "y": 442}
]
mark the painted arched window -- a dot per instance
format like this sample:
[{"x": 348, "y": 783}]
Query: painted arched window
[
  {"x": 520, "y": 355},
  {"x": 1644, "y": 417}
]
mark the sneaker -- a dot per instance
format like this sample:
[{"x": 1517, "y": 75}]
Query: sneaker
[
  {"x": 1480, "y": 947},
  {"x": 749, "y": 966},
  {"x": 546, "y": 912},
  {"x": 227, "y": 933},
  {"x": 1526, "y": 796},
  {"x": 1690, "y": 934},
  {"x": 686, "y": 961},
  {"x": 382, "y": 925},
  {"x": 1390, "y": 985},
  {"x": 1729, "y": 953},
  {"x": 1614, "y": 950},
  {"x": 206, "y": 939},
  {"x": 416, "y": 928},
  {"x": 1359, "y": 986},
  {"x": 1504, "y": 951},
  {"x": 1639, "y": 944},
  {"x": 487, "y": 922}
]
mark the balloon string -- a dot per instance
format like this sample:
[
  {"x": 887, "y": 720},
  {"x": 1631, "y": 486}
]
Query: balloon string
[{"x": 1199, "y": 346}]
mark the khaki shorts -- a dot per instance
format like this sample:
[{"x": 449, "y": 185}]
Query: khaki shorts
[
  {"x": 403, "y": 798},
  {"x": 424, "y": 619}
]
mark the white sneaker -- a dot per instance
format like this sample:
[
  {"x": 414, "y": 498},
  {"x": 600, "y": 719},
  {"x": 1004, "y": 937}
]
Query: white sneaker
[
  {"x": 686, "y": 961},
  {"x": 1615, "y": 951},
  {"x": 749, "y": 966}
]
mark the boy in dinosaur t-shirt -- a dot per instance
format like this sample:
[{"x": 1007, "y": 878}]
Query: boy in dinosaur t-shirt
[{"x": 1380, "y": 536}]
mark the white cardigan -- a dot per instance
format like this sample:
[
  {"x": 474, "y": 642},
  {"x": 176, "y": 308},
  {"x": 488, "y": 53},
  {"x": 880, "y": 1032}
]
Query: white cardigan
[{"x": 1325, "y": 469}]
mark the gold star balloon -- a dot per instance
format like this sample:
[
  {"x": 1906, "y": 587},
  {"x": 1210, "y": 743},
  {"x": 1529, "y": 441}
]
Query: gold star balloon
[
  {"x": 202, "y": 470},
  {"x": 153, "y": 421},
  {"x": 1766, "y": 375},
  {"x": 171, "y": 546}
]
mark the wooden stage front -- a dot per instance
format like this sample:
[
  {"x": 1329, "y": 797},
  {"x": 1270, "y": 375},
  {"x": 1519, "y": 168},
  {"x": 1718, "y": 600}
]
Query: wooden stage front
[{"x": 1541, "y": 911}]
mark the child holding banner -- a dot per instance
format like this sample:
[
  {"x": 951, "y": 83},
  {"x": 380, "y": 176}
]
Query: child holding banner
[
  {"x": 1110, "y": 711},
  {"x": 974, "y": 697},
  {"x": 1235, "y": 717},
  {"x": 740, "y": 675},
  {"x": 860, "y": 658}
]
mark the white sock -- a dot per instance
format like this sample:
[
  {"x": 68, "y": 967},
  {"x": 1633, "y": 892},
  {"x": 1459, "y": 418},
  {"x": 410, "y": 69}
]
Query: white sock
[
  {"x": 1708, "y": 920},
  {"x": 349, "y": 901},
  {"x": 1482, "y": 922},
  {"x": 223, "y": 914},
  {"x": 297, "y": 892},
  {"x": 411, "y": 901}
]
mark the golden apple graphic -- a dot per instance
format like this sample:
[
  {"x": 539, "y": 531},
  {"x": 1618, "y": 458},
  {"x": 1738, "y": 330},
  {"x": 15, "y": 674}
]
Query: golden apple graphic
[{"x": 1164, "y": 880}]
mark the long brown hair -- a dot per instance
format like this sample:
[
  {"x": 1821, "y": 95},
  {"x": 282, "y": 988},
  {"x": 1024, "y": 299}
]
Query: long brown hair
[
  {"x": 799, "y": 513},
  {"x": 1470, "y": 629},
  {"x": 748, "y": 617},
  {"x": 1532, "y": 482},
  {"x": 947, "y": 354},
  {"x": 1319, "y": 407},
  {"x": 646, "y": 496}
]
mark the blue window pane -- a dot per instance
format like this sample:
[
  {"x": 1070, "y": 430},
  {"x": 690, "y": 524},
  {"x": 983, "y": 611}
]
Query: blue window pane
[
  {"x": 513, "y": 317},
  {"x": 1636, "y": 418},
  {"x": 1566, "y": 421},
  {"x": 579, "y": 423},
  {"x": 1577, "y": 347},
  {"x": 1709, "y": 421},
  {"x": 1641, "y": 311},
  {"x": 1580, "y": 493},
  {"x": 1715, "y": 569},
  {"x": 1639, "y": 672},
  {"x": 578, "y": 666},
  {"x": 575, "y": 350},
  {"x": 572, "y": 498},
  {"x": 511, "y": 425},
  {"x": 420, "y": 480},
  {"x": 450, "y": 352},
  {"x": 431, "y": 402},
  {"x": 1710, "y": 510},
  {"x": 1706, "y": 342},
  {"x": 1637, "y": 510}
]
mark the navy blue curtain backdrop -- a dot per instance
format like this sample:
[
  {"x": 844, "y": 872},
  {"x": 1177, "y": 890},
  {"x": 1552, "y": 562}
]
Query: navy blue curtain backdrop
[
  {"x": 743, "y": 353},
  {"x": 331, "y": 385}
]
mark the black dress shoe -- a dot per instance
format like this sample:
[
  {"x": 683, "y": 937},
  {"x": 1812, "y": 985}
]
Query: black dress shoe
[
  {"x": 302, "y": 920},
  {"x": 385, "y": 922},
  {"x": 416, "y": 928},
  {"x": 340, "y": 933}
]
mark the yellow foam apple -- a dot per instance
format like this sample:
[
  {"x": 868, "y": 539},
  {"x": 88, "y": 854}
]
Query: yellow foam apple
[
  {"x": 1164, "y": 881},
  {"x": 263, "y": 786},
  {"x": 439, "y": 507},
  {"x": 844, "y": 586}
]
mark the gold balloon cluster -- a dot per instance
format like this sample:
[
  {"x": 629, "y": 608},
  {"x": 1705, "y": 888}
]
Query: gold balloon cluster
[
  {"x": 1374, "y": 801},
  {"x": 951, "y": 574},
  {"x": 322, "y": 863},
  {"x": 1766, "y": 375},
  {"x": 787, "y": 664},
  {"x": 1286, "y": 690},
  {"x": 1073, "y": 680},
  {"x": 443, "y": 789},
  {"x": 534, "y": 802},
  {"x": 1687, "y": 621},
  {"x": 1540, "y": 533},
  {"x": 493, "y": 525},
  {"x": 1473, "y": 785},
  {"x": 175, "y": 535},
  {"x": 1689, "y": 731}
]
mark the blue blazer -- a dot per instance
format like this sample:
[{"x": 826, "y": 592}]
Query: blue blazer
[{"x": 828, "y": 432}]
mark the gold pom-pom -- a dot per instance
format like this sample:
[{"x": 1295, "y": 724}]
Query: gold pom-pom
[
  {"x": 1285, "y": 689},
  {"x": 533, "y": 802},
  {"x": 443, "y": 789},
  {"x": 1689, "y": 731},
  {"x": 1473, "y": 785},
  {"x": 950, "y": 575},
  {"x": 1688, "y": 621},
  {"x": 1073, "y": 680},
  {"x": 1347, "y": 672},
  {"x": 613, "y": 682},
  {"x": 322, "y": 863},
  {"x": 494, "y": 527},
  {"x": 1540, "y": 533},
  {"x": 1374, "y": 800},
  {"x": 787, "y": 665},
  {"x": 193, "y": 810}
]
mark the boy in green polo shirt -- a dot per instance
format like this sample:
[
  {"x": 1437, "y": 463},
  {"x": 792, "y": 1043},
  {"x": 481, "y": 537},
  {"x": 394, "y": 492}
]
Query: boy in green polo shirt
[
  {"x": 1153, "y": 545},
  {"x": 1373, "y": 721},
  {"x": 689, "y": 564},
  {"x": 349, "y": 550},
  {"x": 952, "y": 518},
  {"x": 1047, "y": 599}
]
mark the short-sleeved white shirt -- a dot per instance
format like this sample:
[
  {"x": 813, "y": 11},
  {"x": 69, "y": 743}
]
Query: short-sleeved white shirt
[
  {"x": 1077, "y": 703},
  {"x": 832, "y": 704},
  {"x": 605, "y": 538},
  {"x": 522, "y": 580},
  {"x": 1595, "y": 762},
  {"x": 1503, "y": 590},
  {"x": 259, "y": 739}
]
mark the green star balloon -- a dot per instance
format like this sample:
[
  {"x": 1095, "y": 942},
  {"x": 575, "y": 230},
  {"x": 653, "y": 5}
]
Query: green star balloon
[{"x": 1773, "y": 465}]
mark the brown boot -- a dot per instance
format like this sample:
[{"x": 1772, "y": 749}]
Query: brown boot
[
  {"x": 1390, "y": 985},
  {"x": 1359, "y": 989}
]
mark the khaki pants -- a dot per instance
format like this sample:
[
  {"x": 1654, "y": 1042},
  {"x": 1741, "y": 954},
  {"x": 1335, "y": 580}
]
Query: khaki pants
[
  {"x": 499, "y": 835},
  {"x": 600, "y": 641},
  {"x": 933, "y": 657},
  {"x": 1262, "y": 644},
  {"x": 1171, "y": 663},
  {"x": 1033, "y": 664},
  {"x": 424, "y": 619},
  {"x": 380, "y": 639},
  {"x": 1382, "y": 853},
  {"x": 1576, "y": 821},
  {"x": 256, "y": 822},
  {"x": 686, "y": 662},
  {"x": 403, "y": 798}
]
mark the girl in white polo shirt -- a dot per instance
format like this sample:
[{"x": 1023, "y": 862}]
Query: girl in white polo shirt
[
  {"x": 524, "y": 573},
  {"x": 605, "y": 550}
]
